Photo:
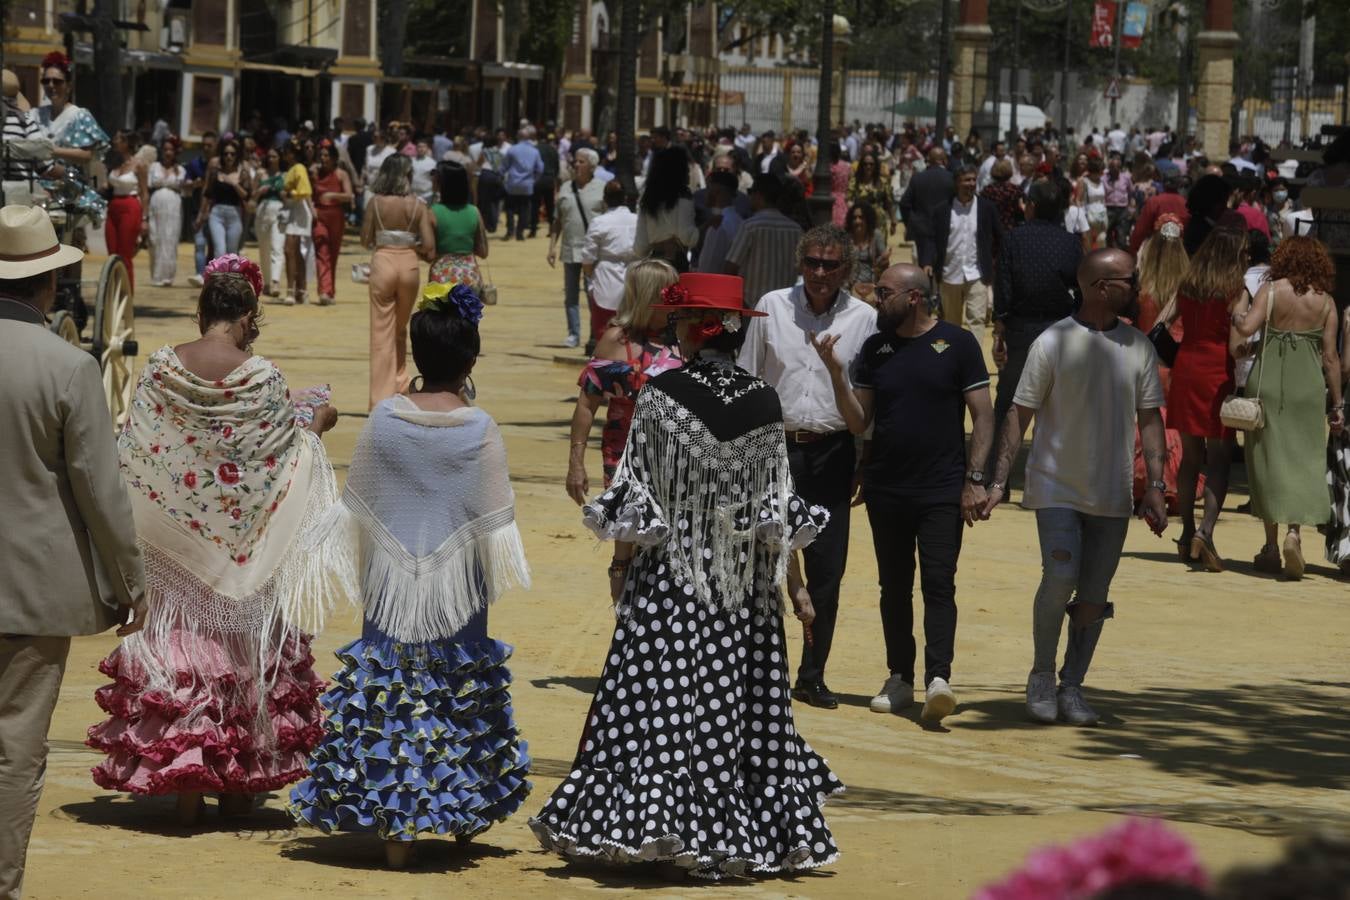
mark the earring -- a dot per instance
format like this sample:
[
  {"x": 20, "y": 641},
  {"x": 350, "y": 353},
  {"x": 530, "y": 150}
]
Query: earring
[{"x": 469, "y": 390}]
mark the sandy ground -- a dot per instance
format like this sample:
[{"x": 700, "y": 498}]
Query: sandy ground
[{"x": 1223, "y": 696}]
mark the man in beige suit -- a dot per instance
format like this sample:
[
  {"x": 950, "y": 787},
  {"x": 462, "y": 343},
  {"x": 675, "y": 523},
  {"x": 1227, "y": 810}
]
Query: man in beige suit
[{"x": 68, "y": 558}]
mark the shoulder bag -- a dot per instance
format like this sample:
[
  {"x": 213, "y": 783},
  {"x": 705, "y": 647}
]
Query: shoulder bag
[
  {"x": 1247, "y": 413},
  {"x": 1160, "y": 336}
]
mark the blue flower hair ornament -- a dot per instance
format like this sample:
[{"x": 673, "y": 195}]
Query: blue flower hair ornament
[{"x": 457, "y": 300}]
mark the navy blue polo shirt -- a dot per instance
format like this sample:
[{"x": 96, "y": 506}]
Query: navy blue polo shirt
[{"x": 919, "y": 387}]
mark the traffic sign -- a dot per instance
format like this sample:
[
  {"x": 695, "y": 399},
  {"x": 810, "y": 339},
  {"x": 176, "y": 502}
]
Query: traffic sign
[{"x": 1112, "y": 91}]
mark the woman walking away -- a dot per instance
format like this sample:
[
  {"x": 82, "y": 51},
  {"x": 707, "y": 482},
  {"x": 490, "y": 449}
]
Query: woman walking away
[
  {"x": 1297, "y": 375},
  {"x": 166, "y": 213},
  {"x": 130, "y": 205},
  {"x": 296, "y": 192},
  {"x": 1338, "y": 469},
  {"x": 1201, "y": 379},
  {"x": 689, "y": 754},
  {"x": 873, "y": 255},
  {"x": 332, "y": 195},
  {"x": 217, "y": 694},
  {"x": 665, "y": 225},
  {"x": 227, "y": 187},
  {"x": 420, "y": 737},
  {"x": 396, "y": 225},
  {"x": 267, "y": 222},
  {"x": 460, "y": 235}
]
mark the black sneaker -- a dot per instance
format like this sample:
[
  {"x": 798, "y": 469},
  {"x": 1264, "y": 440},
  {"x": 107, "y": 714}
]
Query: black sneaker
[{"x": 816, "y": 695}]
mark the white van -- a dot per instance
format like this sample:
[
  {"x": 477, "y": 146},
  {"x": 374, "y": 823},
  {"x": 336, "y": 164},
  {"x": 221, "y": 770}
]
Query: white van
[{"x": 1028, "y": 116}]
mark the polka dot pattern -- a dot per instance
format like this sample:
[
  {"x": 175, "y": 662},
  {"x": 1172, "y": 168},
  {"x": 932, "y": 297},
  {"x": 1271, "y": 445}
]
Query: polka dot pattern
[{"x": 690, "y": 753}]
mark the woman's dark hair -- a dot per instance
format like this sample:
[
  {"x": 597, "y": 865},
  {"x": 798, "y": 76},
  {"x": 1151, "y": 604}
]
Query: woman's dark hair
[
  {"x": 869, "y": 216},
  {"x": 225, "y": 297},
  {"x": 326, "y": 147},
  {"x": 454, "y": 181},
  {"x": 291, "y": 147},
  {"x": 667, "y": 180},
  {"x": 113, "y": 159},
  {"x": 728, "y": 341},
  {"x": 238, "y": 151},
  {"x": 444, "y": 345},
  {"x": 1258, "y": 248},
  {"x": 1208, "y": 196}
]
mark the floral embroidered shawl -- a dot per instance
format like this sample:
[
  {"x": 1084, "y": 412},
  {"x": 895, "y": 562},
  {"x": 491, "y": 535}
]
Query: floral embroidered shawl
[{"x": 223, "y": 482}]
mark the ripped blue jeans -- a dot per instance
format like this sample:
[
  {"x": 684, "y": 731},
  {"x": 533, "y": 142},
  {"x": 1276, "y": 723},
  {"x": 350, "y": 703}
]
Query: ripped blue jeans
[{"x": 1079, "y": 555}]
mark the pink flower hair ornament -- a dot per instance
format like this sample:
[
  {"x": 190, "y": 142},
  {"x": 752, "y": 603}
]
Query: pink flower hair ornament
[
  {"x": 234, "y": 264},
  {"x": 1136, "y": 851}
]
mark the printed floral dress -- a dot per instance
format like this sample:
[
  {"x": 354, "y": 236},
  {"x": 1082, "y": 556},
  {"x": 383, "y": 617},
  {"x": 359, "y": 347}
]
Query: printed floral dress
[{"x": 619, "y": 381}]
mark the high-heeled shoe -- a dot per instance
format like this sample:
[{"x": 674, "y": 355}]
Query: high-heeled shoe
[
  {"x": 1202, "y": 548},
  {"x": 1185, "y": 548}
]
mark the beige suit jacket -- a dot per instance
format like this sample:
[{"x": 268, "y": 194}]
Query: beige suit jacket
[{"x": 68, "y": 558}]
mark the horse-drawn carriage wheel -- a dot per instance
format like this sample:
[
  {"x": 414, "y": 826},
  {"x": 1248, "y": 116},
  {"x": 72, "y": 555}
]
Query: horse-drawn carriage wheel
[
  {"x": 63, "y": 326},
  {"x": 114, "y": 338}
]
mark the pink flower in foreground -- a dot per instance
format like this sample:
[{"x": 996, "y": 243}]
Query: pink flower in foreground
[{"x": 1138, "y": 850}]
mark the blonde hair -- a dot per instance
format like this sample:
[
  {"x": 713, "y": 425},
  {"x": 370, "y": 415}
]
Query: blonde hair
[
  {"x": 1163, "y": 264},
  {"x": 642, "y": 286},
  {"x": 1218, "y": 267}
]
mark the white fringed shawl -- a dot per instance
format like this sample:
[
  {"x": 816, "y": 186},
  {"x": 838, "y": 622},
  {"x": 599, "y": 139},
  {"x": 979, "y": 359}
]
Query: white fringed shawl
[
  {"x": 223, "y": 483},
  {"x": 429, "y": 513}
]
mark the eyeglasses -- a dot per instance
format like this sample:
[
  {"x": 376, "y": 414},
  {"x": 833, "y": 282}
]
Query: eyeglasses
[
  {"x": 812, "y": 263},
  {"x": 1132, "y": 278},
  {"x": 883, "y": 293},
  {"x": 48, "y": 82}
]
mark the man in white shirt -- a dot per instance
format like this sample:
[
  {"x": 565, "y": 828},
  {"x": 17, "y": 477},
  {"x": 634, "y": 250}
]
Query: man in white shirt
[
  {"x": 605, "y": 257},
  {"x": 746, "y": 138},
  {"x": 987, "y": 167},
  {"x": 1115, "y": 139},
  {"x": 423, "y": 171},
  {"x": 376, "y": 154},
  {"x": 723, "y": 223},
  {"x": 966, "y": 238},
  {"x": 821, "y": 453},
  {"x": 1088, "y": 379}
]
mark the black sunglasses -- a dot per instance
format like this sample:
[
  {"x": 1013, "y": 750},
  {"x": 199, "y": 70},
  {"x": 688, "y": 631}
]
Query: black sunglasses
[
  {"x": 811, "y": 263},
  {"x": 51, "y": 81}
]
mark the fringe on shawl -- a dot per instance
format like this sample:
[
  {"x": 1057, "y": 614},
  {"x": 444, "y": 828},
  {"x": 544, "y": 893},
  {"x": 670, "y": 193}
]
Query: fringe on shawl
[
  {"x": 737, "y": 549},
  {"x": 186, "y": 614},
  {"x": 419, "y": 599}
]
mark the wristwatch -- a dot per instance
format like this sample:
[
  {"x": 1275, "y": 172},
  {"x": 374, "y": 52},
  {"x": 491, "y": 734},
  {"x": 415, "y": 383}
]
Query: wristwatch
[
  {"x": 1159, "y": 486},
  {"x": 975, "y": 477}
]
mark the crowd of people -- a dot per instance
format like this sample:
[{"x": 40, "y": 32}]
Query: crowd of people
[{"x": 761, "y": 374}]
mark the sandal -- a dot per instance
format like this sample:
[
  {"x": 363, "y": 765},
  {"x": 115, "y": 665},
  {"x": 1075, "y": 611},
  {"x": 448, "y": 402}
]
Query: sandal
[
  {"x": 1293, "y": 556},
  {"x": 1202, "y": 548},
  {"x": 1268, "y": 560},
  {"x": 1185, "y": 547}
]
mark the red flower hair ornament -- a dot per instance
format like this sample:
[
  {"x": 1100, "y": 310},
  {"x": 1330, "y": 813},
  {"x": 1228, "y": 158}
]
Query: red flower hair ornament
[{"x": 234, "y": 264}]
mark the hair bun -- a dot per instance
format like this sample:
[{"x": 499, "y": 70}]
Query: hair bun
[{"x": 234, "y": 264}]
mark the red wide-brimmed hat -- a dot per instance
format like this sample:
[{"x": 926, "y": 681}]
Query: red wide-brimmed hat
[{"x": 700, "y": 291}]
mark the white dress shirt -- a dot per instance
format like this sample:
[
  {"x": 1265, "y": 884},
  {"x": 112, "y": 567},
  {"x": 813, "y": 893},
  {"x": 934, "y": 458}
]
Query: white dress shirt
[
  {"x": 609, "y": 247},
  {"x": 778, "y": 349},
  {"x": 963, "y": 261}
]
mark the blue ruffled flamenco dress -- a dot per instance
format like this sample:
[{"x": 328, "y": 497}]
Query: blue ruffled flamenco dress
[{"x": 419, "y": 739}]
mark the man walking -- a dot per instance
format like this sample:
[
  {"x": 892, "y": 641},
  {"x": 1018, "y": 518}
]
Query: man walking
[
  {"x": 580, "y": 199},
  {"x": 967, "y": 234},
  {"x": 61, "y": 494},
  {"x": 1087, "y": 379},
  {"x": 524, "y": 165},
  {"x": 765, "y": 250},
  {"x": 1037, "y": 277},
  {"x": 821, "y": 452},
  {"x": 724, "y": 222},
  {"x": 913, "y": 383},
  {"x": 928, "y": 195}
]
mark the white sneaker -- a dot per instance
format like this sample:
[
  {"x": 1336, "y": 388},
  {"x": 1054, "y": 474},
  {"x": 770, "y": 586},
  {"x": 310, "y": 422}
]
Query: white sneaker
[
  {"x": 572, "y": 341},
  {"x": 939, "y": 700},
  {"x": 896, "y": 695},
  {"x": 1041, "y": 703},
  {"x": 1073, "y": 708},
  {"x": 194, "y": 280}
]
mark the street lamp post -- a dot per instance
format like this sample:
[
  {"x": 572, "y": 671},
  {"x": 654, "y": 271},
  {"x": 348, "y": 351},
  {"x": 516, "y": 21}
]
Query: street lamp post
[{"x": 821, "y": 201}]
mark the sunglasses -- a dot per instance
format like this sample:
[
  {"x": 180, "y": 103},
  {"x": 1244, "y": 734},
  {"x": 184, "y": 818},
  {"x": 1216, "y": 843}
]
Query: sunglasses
[
  {"x": 51, "y": 81},
  {"x": 812, "y": 263}
]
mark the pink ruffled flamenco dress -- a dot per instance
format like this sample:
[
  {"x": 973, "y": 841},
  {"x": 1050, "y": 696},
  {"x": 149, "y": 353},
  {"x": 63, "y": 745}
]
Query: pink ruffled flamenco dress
[{"x": 205, "y": 734}]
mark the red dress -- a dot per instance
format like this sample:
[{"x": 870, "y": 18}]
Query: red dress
[{"x": 1203, "y": 374}]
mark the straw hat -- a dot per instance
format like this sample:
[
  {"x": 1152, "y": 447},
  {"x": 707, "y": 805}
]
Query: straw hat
[{"x": 28, "y": 244}]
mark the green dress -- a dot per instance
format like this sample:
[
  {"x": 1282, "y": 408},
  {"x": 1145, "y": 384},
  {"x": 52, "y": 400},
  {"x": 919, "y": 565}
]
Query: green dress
[{"x": 1287, "y": 470}]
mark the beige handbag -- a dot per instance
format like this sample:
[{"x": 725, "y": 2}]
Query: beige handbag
[
  {"x": 488, "y": 291},
  {"x": 1247, "y": 413}
]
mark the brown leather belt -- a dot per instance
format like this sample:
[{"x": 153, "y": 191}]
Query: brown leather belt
[{"x": 809, "y": 437}]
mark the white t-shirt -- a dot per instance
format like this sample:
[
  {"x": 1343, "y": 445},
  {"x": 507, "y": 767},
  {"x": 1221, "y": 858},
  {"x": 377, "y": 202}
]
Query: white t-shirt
[
  {"x": 1115, "y": 140},
  {"x": 1086, "y": 387},
  {"x": 1076, "y": 220},
  {"x": 374, "y": 160}
]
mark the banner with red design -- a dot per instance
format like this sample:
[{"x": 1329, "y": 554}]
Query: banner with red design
[{"x": 1103, "y": 30}]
